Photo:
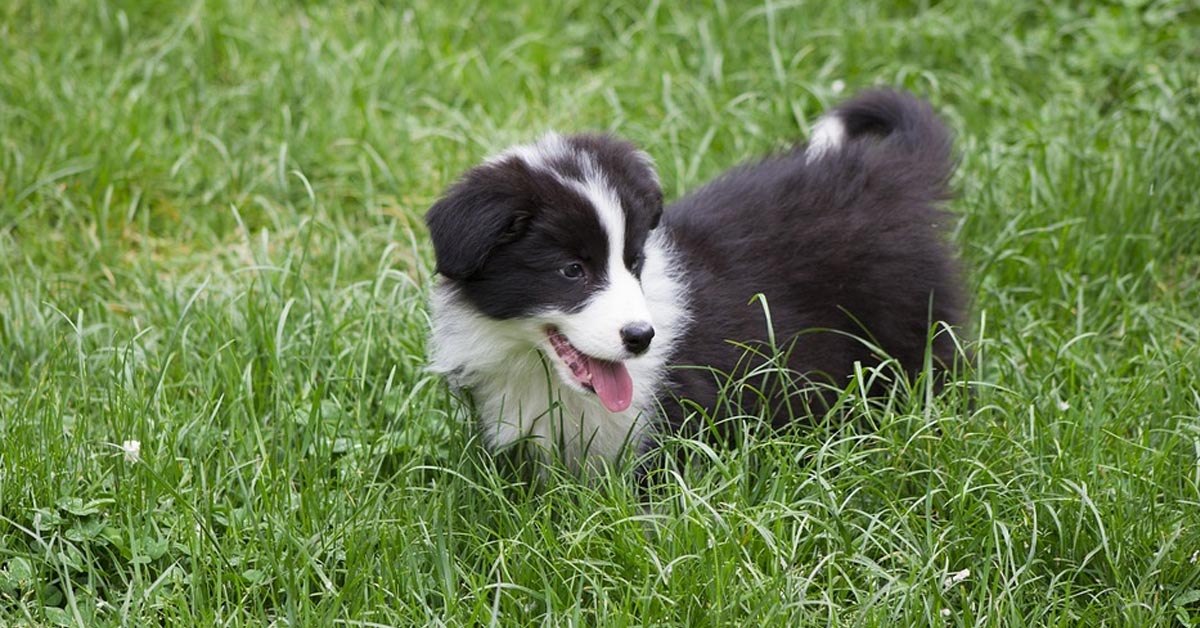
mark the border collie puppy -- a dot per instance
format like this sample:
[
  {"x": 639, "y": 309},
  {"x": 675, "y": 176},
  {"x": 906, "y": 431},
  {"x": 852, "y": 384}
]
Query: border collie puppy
[{"x": 575, "y": 309}]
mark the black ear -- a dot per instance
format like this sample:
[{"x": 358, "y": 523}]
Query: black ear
[{"x": 486, "y": 208}]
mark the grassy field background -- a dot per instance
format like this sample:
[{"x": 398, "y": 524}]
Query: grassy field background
[{"x": 213, "y": 273}]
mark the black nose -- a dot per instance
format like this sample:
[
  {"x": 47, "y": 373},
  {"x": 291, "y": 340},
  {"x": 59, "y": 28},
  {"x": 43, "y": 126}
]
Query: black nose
[{"x": 637, "y": 336}]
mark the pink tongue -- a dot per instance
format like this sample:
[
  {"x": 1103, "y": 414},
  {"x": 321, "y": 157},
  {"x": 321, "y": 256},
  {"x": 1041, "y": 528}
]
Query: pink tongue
[{"x": 612, "y": 383}]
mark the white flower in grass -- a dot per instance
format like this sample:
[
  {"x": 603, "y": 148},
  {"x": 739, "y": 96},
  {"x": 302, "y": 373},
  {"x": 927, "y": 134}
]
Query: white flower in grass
[
  {"x": 956, "y": 578},
  {"x": 945, "y": 612},
  {"x": 132, "y": 449},
  {"x": 838, "y": 86},
  {"x": 1064, "y": 405}
]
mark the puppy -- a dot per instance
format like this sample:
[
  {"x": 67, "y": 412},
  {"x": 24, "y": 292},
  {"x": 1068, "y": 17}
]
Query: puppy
[{"x": 582, "y": 316}]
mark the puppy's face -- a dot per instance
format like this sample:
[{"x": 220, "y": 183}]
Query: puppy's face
[{"x": 554, "y": 233}]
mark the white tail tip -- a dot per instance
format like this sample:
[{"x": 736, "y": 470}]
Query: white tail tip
[{"x": 827, "y": 134}]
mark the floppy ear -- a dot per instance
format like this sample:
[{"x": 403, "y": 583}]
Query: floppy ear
[{"x": 484, "y": 209}]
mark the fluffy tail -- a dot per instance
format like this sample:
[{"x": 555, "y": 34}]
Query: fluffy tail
[{"x": 898, "y": 126}]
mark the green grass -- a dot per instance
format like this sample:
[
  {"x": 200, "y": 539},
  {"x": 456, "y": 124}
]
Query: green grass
[{"x": 211, "y": 243}]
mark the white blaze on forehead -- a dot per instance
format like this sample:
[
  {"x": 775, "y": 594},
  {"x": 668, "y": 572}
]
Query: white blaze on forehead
[
  {"x": 607, "y": 204},
  {"x": 594, "y": 187},
  {"x": 596, "y": 330},
  {"x": 827, "y": 134}
]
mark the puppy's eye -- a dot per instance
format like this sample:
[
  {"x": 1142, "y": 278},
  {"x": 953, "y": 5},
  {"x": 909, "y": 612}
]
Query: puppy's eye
[{"x": 574, "y": 270}]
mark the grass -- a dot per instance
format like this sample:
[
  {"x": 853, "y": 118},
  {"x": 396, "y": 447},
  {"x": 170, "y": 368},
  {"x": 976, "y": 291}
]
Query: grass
[{"x": 211, "y": 245}]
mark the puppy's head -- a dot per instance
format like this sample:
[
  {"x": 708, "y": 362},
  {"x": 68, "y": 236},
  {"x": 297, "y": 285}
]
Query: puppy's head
[{"x": 553, "y": 233}]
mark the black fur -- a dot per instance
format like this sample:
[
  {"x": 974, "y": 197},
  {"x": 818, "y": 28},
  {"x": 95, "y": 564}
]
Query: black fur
[{"x": 852, "y": 242}]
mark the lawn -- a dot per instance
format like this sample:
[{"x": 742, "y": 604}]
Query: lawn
[{"x": 213, "y": 281}]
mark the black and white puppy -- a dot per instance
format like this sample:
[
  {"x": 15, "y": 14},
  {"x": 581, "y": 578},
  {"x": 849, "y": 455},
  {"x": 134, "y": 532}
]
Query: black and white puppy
[{"x": 573, "y": 307}]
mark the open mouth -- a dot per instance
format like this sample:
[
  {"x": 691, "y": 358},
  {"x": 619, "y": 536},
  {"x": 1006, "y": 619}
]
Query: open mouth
[{"x": 609, "y": 380}]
